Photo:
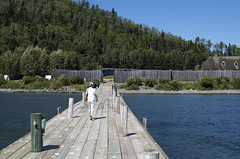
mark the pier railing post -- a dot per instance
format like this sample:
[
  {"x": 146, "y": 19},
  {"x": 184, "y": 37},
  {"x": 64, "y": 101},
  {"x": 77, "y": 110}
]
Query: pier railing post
[
  {"x": 114, "y": 96},
  {"x": 83, "y": 95},
  {"x": 118, "y": 105},
  {"x": 145, "y": 123},
  {"x": 115, "y": 89},
  {"x": 36, "y": 132},
  {"x": 121, "y": 119},
  {"x": 70, "y": 108},
  {"x": 124, "y": 120},
  {"x": 59, "y": 110}
]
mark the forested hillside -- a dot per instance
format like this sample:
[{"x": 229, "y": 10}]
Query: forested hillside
[{"x": 38, "y": 36}]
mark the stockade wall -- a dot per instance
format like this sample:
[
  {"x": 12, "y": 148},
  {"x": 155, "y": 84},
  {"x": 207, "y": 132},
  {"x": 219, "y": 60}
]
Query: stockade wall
[
  {"x": 121, "y": 75},
  {"x": 89, "y": 75}
]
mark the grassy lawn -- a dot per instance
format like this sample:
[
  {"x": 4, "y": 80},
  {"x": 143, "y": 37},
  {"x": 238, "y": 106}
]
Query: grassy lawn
[{"x": 108, "y": 78}]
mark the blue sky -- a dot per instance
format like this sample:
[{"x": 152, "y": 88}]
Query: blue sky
[{"x": 215, "y": 20}]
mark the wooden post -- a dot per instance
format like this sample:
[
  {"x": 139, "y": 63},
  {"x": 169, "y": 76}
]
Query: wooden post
[
  {"x": 59, "y": 110},
  {"x": 145, "y": 123},
  {"x": 121, "y": 119},
  {"x": 118, "y": 105},
  {"x": 115, "y": 90},
  {"x": 83, "y": 94},
  {"x": 149, "y": 155},
  {"x": 124, "y": 120},
  {"x": 112, "y": 87},
  {"x": 36, "y": 132},
  {"x": 70, "y": 108},
  {"x": 114, "y": 96}
]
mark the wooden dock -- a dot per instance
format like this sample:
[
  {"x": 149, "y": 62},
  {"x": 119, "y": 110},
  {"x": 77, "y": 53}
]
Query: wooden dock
[{"x": 79, "y": 137}]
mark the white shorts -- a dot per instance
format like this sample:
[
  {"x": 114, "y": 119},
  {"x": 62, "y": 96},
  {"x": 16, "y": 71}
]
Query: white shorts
[{"x": 91, "y": 105}]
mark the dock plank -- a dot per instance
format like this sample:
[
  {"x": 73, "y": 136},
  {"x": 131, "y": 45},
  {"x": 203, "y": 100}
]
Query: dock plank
[
  {"x": 102, "y": 142},
  {"x": 114, "y": 150}
]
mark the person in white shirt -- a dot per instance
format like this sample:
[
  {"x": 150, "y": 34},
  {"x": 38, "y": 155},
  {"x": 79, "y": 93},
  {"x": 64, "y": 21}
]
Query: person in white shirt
[{"x": 91, "y": 98}]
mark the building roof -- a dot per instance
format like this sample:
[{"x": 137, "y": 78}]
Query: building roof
[{"x": 222, "y": 63}]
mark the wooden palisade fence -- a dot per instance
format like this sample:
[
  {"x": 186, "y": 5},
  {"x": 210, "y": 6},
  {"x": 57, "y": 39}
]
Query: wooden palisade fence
[{"x": 121, "y": 75}]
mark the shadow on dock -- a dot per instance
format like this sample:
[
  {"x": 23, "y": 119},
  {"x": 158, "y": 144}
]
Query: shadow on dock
[
  {"x": 131, "y": 134},
  {"x": 50, "y": 147},
  {"x": 99, "y": 118}
]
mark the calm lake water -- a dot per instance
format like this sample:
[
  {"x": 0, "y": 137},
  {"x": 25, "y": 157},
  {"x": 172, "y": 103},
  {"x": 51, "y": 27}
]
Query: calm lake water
[
  {"x": 15, "y": 110},
  {"x": 191, "y": 126},
  {"x": 185, "y": 126}
]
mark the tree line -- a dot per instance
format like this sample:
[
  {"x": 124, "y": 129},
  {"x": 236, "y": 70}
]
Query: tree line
[{"x": 38, "y": 36}]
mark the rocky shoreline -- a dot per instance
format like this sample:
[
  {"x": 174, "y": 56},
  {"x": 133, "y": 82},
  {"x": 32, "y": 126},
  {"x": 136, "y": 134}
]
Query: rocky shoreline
[
  {"x": 39, "y": 91},
  {"x": 123, "y": 91},
  {"x": 153, "y": 91}
]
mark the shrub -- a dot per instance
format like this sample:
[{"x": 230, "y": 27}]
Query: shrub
[
  {"x": 175, "y": 85},
  {"x": 189, "y": 85},
  {"x": 80, "y": 87},
  {"x": 40, "y": 84},
  {"x": 149, "y": 82},
  {"x": 164, "y": 81},
  {"x": 206, "y": 82},
  {"x": 123, "y": 86},
  {"x": 235, "y": 83},
  {"x": 96, "y": 82},
  {"x": 163, "y": 84},
  {"x": 2, "y": 80},
  {"x": 64, "y": 80},
  {"x": 55, "y": 84},
  {"x": 133, "y": 87},
  {"x": 28, "y": 79},
  {"x": 39, "y": 78},
  {"x": 167, "y": 84},
  {"x": 133, "y": 81},
  {"x": 221, "y": 83},
  {"x": 77, "y": 80},
  {"x": 12, "y": 85}
]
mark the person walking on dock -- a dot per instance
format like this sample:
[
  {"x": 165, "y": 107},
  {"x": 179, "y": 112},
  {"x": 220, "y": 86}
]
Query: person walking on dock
[{"x": 91, "y": 98}]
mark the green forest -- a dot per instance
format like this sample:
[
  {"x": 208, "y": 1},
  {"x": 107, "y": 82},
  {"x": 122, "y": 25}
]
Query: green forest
[{"x": 38, "y": 36}]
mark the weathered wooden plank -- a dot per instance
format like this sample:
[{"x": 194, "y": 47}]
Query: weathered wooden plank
[
  {"x": 114, "y": 146},
  {"x": 125, "y": 144},
  {"x": 12, "y": 148},
  {"x": 135, "y": 140},
  {"x": 59, "y": 136},
  {"x": 126, "y": 148},
  {"x": 91, "y": 141},
  {"x": 79, "y": 143},
  {"x": 77, "y": 146},
  {"x": 88, "y": 150},
  {"x": 114, "y": 150},
  {"x": 21, "y": 152},
  {"x": 64, "y": 149},
  {"x": 68, "y": 142},
  {"x": 51, "y": 125},
  {"x": 102, "y": 142}
]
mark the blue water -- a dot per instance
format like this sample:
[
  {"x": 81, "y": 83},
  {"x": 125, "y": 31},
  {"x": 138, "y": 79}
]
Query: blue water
[
  {"x": 191, "y": 126},
  {"x": 15, "y": 110}
]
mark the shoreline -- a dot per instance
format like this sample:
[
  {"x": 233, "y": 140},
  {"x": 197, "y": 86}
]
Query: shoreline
[
  {"x": 124, "y": 91},
  {"x": 38, "y": 91},
  {"x": 153, "y": 91}
]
